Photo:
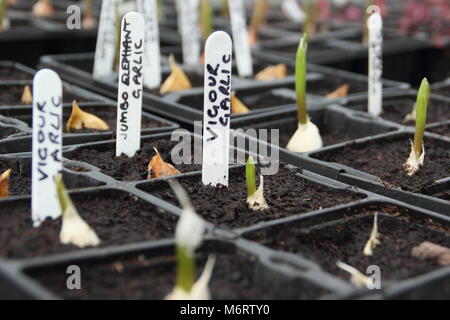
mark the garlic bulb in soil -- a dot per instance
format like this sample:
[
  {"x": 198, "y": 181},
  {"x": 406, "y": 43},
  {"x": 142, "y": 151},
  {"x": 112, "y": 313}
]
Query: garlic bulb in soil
[
  {"x": 74, "y": 229},
  {"x": 4, "y": 184},
  {"x": 158, "y": 168},
  {"x": 373, "y": 239},
  {"x": 188, "y": 237},
  {"x": 177, "y": 80},
  {"x": 307, "y": 138},
  {"x": 80, "y": 119},
  {"x": 417, "y": 156},
  {"x": 27, "y": 97},
  {"x": 357, "y": 278}
]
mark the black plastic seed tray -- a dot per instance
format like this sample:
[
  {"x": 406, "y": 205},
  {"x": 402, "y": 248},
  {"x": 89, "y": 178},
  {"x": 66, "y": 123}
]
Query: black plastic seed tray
[
  {"x": 345, "y": 46},
  {"x": 297, "y": 277},
  {"x": 106, "y": 111},
  {"x": 442, "y": 88}
]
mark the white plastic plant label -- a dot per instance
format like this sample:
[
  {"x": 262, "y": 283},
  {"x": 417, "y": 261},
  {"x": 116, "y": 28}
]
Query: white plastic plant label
[
  {"x": 129, "y": 100},
  {"x": 190, "y": 31},
  {"x": 152, "y": 66},
  {"x": 106, "y": 41},
  {"x": 240, "y": 38},
  {"x": 47, "y": 145},
  {"x": 293, "y": 11},
  {"x": 217, "y": 109},
  {"x": 375, "y": 26}
]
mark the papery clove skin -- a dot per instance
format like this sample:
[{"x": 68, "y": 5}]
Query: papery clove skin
[
  {"x": 307, "y": 138},
  {"x": 158, "y": 168},
  {"x": 270, "y": 73},
  {"x": 237, "y": 106},
  {"x": 357, "y": 278},
  {"x": 74, "y": 229},
  {"x": 373, "y": 239},
  {"x": 4, "y": 184},
  {"x": 177, "y": 80},
  {"x": 340, "y": 92},
  {"x": 80, "y": 119},
  {"x": 43, "y": 9},
  {"x": 27, "y": 97},
  {"x": 255, "y": 197}
]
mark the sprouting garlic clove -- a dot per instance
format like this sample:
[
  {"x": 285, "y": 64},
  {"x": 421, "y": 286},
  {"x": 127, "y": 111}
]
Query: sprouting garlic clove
[
  {"x": 158, "y": 168},
  {"x": 177, "y": 80},
  {"x": 414, "y": 163},
  {"x": 357, "y": 278},
  {"x": 270, "y": 73},
  {"x": 4, "y": 184},
  {"x": 43, "y": 9},
  {"x": 80, "y": 119},
  {"x": 256, "y": 201},
  {"x": 237, "y": 106},
  {"x": 200, "y": 290},
  {"x": 27, "y": 97},
  {"x": 373, "y": 239},
  {"x": 307, "y": 138},
  {"x": 340, "y": 92}
]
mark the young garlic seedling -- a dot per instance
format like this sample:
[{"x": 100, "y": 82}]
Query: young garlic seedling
[
  {"x": 206, "y": 18},
  {"x": 255, "y": 197},
  {"x": 177, "y": 80},
  {"x": 417, "y": 155},
  {"x": 188, "y": 237},
  {"x": 4, "y": 21},
  {"x": 307, "y": 137},
  {"x": 80, "y": 119},
  {"x": 358, "y": 279},
  {"x": 74, "y": 229},
  {"x": 373, "y": 239},
  {"x": 4, "y": 184},
  {"x": 259, "y": 18}
]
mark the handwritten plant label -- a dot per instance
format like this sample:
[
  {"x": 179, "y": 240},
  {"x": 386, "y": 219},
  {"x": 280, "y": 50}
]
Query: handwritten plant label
[
  {"x": 293, "y": 11},
  {"x": 375, "y": 26},
  {"x": 240, "y": 38},
  {"x": 152, "y": 67},
  {"x": 190, "y": 31},
  {"x": 217, "y": 109},
  {"x": 106, "y": 40},
  {"x": 129, "y": 100},
  {"x": 47, "y": 145}
]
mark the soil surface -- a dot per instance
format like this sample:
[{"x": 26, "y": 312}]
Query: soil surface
[
  {"x": 125, "y": 169},
  {"x": 345, "y": 240},
  {"x": 11, "y": 95},
  {"x": 385, "y": 159},
  {"x": 442, "y": 130},
  {"x": 7, "y": 132},
  {"x": 11, "y": 73},
  {"x": 286, "y": 194},
  {"x": 153, "y": 278},
  {"x": 396, "y": 110},
  {"x": 117, "y": 218}
]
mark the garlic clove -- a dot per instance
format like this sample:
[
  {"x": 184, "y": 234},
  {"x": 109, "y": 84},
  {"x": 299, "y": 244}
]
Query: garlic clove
[
  {"x": 177, "y": 80},
  {"x": 256, "y": 201},
  {"x": 158, "y": 168},
  {"x": 27, "y": 97},
  {"x": 237, "y": 106},
  {"x": 80, "y": 119},
  {"x": 270, "y": 73},
  {"x": 307, "y": 138},
  {"x": 414, "y": 163},
  {"x": 4, "y": 184}
]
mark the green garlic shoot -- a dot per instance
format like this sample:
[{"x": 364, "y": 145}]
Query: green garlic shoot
[
  {"x": 373, "y": 240},
  {"x": 206, "y": 18},
  {"x": 255, "y": 197},
  {"x": 417, "y": 155},
  {"x": 4, "y": 21},
  {"x": 74, "y": 229},
  {"x": 188, "y": 237},
  {"x": 357, "y": 278},
  {"x": 307, "y": 137},
  {"x": 224, "y": 9}
]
